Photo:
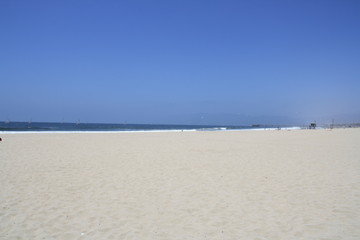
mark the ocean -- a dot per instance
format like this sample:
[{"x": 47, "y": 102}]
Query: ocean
[{"x": 110, "y": 127}]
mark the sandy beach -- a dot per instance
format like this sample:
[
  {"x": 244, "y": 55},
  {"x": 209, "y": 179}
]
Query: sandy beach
[{"x": 302, "y": 184}]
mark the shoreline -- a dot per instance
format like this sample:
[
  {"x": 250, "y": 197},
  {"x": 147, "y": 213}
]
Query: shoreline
[{"x": 156, "y": 131}]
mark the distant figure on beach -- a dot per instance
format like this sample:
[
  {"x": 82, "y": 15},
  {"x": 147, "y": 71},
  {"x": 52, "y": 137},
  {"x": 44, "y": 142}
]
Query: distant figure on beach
[{"x": 0, "y": 139}]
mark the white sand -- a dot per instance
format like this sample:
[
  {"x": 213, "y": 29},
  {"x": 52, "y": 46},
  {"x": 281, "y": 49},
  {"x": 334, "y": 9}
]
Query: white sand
[{"x": 193, "y": 185}]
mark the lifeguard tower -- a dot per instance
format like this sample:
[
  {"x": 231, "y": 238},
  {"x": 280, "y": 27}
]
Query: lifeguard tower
[{"x": 312, "y": 125}]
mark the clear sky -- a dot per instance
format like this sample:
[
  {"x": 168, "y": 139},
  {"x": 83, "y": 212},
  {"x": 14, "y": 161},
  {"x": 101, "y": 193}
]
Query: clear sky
[{"x": 188, "y": 62}]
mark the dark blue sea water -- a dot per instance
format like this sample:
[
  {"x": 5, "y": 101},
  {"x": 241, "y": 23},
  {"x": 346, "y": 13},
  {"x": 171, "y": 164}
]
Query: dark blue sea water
[{"x": 58, "y": 127}]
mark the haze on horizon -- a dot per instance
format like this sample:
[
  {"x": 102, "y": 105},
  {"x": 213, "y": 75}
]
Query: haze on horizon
[{"x": 185, "y": 62}]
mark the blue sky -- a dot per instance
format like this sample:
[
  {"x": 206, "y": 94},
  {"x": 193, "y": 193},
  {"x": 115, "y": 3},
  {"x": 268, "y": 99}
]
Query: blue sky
[{"x": 188, "y": 62}]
